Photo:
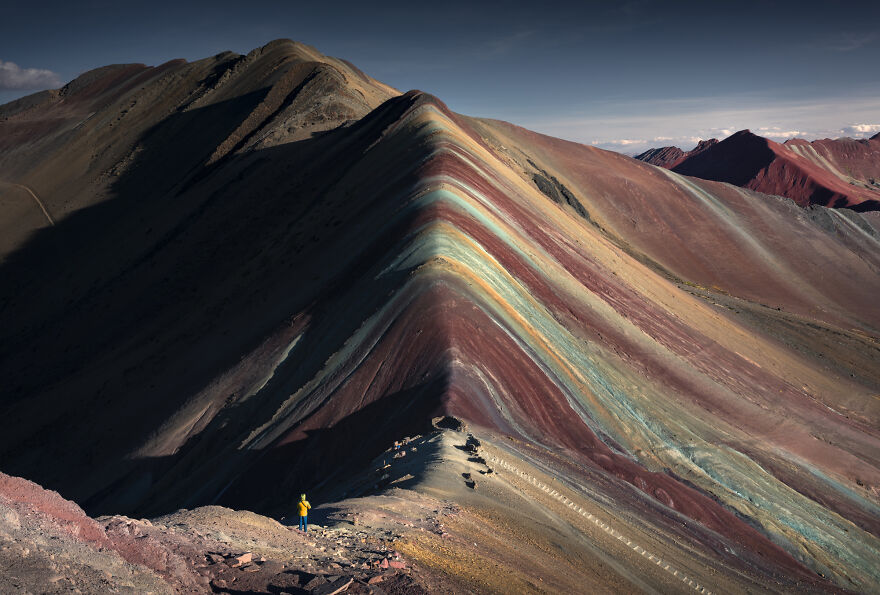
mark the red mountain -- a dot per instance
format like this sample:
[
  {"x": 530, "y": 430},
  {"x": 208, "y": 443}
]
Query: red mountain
[
  {"x": 669, "y": 157},
  {"x": 834, "y": 173},
  {"x": 663, "y": 157}
]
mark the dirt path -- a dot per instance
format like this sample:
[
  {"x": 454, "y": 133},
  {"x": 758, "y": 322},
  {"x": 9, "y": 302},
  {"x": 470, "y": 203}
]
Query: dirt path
[
  {"x": 601, "y": 524},
  {"x": 516, "y": 531},
  {"x": 37, "y": 200}
]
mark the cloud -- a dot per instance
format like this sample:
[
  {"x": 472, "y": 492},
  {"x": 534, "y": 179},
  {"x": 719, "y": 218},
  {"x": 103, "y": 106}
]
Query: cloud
[
  {"x": 848, "y": 41},
  {"x": 777, "y": 132},
  {"x": 623, "y": 142},
  {"x": 677, "y": 140},
  {"x": 719, "y": 133},
  {"x": 860, "y": 130},
  {"x": 687, "y": 120},
  {"x": 12, "y": 76}
]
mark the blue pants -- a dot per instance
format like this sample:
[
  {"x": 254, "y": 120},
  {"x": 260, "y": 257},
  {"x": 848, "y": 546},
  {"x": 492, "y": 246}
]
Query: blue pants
[{"x": 304, "y": 523}]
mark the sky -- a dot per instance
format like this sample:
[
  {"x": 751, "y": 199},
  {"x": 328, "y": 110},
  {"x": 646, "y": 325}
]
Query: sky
[{"x": 624, "y": 76}]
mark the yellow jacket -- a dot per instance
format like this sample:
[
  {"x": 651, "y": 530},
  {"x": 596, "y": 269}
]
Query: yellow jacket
[{"x": 304, "y": 507}]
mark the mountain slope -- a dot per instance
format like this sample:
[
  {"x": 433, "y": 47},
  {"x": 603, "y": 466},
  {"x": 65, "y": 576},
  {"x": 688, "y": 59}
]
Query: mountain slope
[
  {"x": 271, "y": 318},
  {"x": 669, "y": 157},
  {"x": 112, "y": 130},
  {"x": 832, "y": 173}
]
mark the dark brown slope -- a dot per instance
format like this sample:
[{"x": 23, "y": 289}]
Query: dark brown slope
[
  {"x": 833, "y": 173},
  {"x": 171, "y": 294},
  {"x": 74, "y": 147},
  {"x": 736, "y": 160},
  {"x": 662, "y": 157},
  {"x": 669, "y": 157}
]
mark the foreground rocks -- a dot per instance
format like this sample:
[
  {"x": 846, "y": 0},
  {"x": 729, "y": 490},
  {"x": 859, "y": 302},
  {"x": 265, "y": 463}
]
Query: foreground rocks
[
  {"x": 49, "y": 545},
  {"x": 530, "y": 527}
]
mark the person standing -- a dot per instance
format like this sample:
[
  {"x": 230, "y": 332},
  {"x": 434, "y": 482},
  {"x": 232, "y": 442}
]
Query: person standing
[{"x": 303, "y": 506}]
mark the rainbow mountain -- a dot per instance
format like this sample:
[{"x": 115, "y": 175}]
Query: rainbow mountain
[{"x": 249, "y": 275}]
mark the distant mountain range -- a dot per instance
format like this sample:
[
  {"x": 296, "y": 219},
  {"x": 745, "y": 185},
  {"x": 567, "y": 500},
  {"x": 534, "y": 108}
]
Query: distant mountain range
[
  {"x": 234, "y": 280},
  {"x": 840, "y": 173}
]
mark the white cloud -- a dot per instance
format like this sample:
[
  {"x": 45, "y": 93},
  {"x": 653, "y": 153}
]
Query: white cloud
[
  {"x": 722, "y": 133},
  {"x": 623, "y": 142},
  {"x": 860, "y": 130},
  {"x": 12, "y": 76},
  {"x": 677, "y": 140},
  {"x": 777, "y": 132},
  {"x": 687, "y": 121},
  {"x": 632, "y": 146}
]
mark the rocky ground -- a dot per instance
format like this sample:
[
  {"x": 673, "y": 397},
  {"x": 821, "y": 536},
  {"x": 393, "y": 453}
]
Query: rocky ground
[
  {"x": 49, "y": 545},
  {"x": 449, "y": 512},
  {"x": 402, "y": 503}
]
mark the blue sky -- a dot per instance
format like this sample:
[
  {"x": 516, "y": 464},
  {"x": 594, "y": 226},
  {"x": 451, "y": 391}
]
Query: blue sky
[{"x": 620, "y": 75}]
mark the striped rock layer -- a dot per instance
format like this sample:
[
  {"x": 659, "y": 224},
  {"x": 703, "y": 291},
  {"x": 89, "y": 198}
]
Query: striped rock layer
[{"x": 280, "y": 311}]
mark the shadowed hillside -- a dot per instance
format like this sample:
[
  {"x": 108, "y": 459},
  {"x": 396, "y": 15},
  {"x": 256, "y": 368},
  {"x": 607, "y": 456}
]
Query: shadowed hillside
[{"x": 283, "y": 266}]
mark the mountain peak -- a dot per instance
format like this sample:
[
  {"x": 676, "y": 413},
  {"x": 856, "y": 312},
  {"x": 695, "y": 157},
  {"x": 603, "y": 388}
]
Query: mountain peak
[
  {"x": 291, "y": 48},
  {"x": 745, "y": 136},
  {"x": 669, "y": 157},
  {"x": 663, "y": 156}
]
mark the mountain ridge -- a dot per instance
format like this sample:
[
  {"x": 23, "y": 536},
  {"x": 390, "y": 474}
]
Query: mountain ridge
[
  {"x": 272, "y": 317},
  {"x": 283, "y": 81},
  {"x": 807, "y": 172}
]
